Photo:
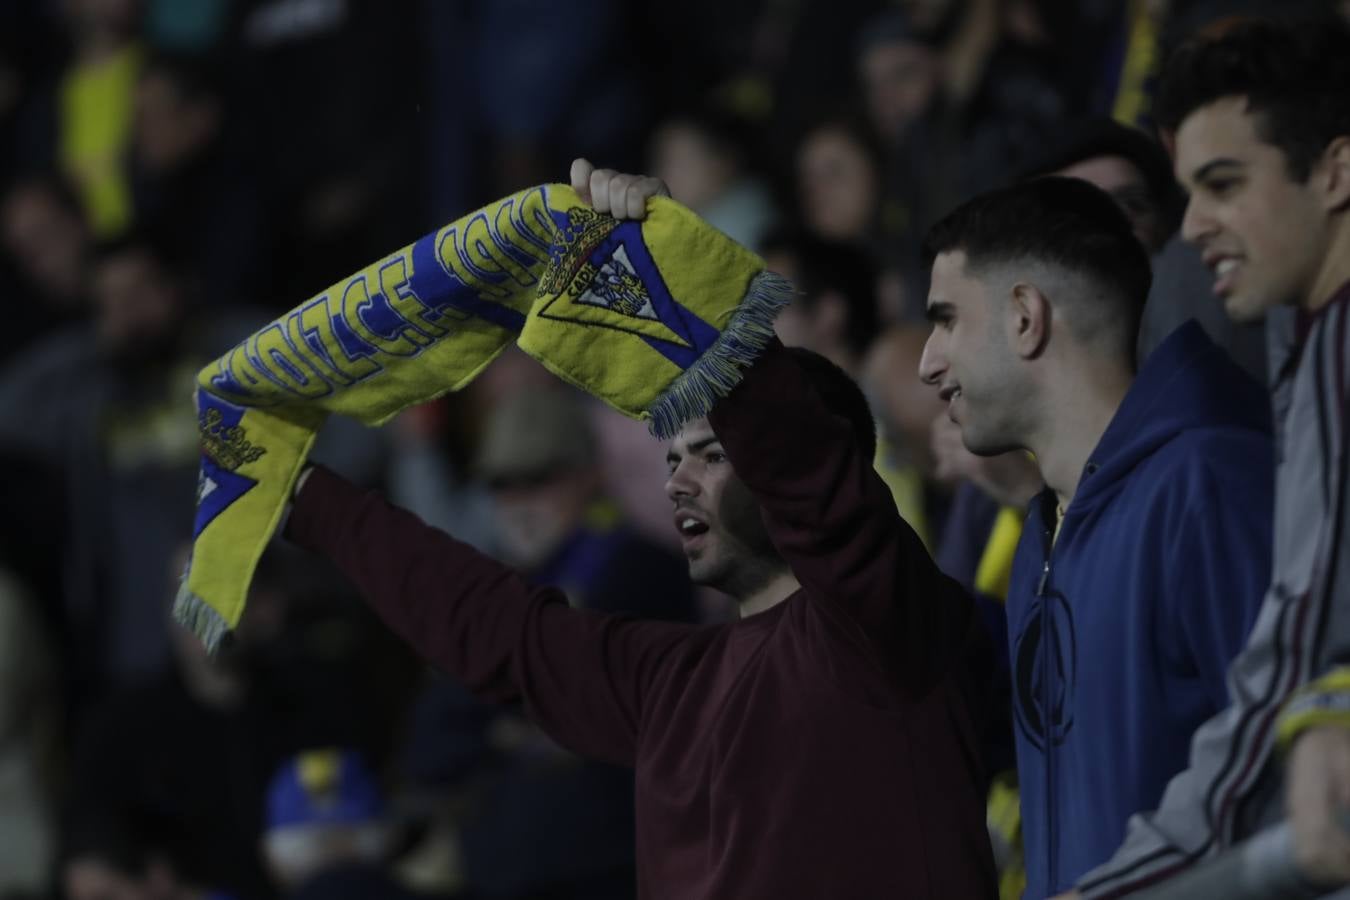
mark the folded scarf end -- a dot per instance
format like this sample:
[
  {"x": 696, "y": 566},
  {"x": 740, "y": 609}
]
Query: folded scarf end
[
  {"x": 196, "y": 615},
  {"x": 694, "y": 392}
]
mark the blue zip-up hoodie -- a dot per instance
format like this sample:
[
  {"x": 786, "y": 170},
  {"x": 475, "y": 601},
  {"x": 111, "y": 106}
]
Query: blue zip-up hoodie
[{"x": 1121, "y": 630}]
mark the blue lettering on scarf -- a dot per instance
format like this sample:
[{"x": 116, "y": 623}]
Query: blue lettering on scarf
[
  {"x": 270, "y": 345},
  {"x": 311, "y": 329},
  {"x": 535, "y": 222},
  {"x": 371, "y": 317},
  {"x": 234, "y": 376},
  {"x": 516, "y": 241},
  {"x": 396, "y": 288},
  {"x": 353, "y": 346},
  {"x": 439, "y": 253}
]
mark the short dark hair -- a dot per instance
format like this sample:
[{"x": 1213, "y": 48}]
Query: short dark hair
[
  {"x": 841, "y": 396},
  {"x": 1293, "y": 76},
  {"x": 1063, "y": 222},
  {"x": 823, "y": 265},
  {"x": 1083, "y": 140}
]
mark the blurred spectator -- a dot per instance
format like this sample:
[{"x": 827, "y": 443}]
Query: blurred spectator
[
  {"x": 95, "y": 101},
  {"x": 124, "y": 439},
  {"x": 1126, "y": 163},
  {"x": 702, "y": 160},
  {"x": 328, "y": 834},
  {"x": 168, "y": 777},
  {"x": 905, "y": 408},
  {"x": 778, "y": 64},
  {"x": 126, "y": 446},
  {"x": 45, "y": 242},
  {"x": 834, "y": 310},
  {"x": 194, "y": 185},
  {"x": 900, "y": 69},
  {"x": 170, "y": 774},
  {"x": 539, "y": 460},
  {"x": 995, "y": 105},
  {"x": 428, "y": 476},
  {"x": 543, "y": 822},
  {"x": 839, "y": 178},
  {"x": 332, "y": 92}
]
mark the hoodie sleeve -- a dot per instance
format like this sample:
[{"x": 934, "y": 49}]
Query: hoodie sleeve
[
  {"x": 834, "y": 521},
  {"x": 1220, "y": 560}
]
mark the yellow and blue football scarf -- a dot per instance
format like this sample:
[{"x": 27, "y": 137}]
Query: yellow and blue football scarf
[{"x": 657, "y": 318}]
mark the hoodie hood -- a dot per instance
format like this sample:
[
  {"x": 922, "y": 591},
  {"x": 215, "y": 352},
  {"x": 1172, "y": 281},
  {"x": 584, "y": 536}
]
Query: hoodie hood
[{"x": 1187, "y": 384}]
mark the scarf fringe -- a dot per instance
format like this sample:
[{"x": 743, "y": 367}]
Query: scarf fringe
[
  {"x": 694, "y": 392},
  {"x": 196, "y": 615}
]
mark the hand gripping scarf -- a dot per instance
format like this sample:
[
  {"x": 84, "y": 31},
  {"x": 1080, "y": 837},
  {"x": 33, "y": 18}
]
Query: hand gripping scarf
[{"x": 656, "y": 318}]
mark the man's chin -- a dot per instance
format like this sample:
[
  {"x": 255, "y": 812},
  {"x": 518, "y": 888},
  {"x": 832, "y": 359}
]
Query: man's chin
[
  {"x": 703, "y": 572},
  {"x": 1245, "y": 309},
  {"x": 984, "y": 445}
]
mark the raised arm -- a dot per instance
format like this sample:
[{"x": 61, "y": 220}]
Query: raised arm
[
  {"x": 827, "y": 511},
  {"x": 583, "y": 676},
  {"x": 833, "y": 519}
]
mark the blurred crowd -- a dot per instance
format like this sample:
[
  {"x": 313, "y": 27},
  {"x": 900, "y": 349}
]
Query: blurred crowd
[{"x": 173, "y": 173}]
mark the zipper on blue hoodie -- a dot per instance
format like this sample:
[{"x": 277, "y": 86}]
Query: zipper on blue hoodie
[{"x": 1047, "y": 695}]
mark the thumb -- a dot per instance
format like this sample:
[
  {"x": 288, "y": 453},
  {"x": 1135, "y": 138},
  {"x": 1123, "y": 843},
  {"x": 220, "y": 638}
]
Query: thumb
[{"x": 581, "y": 178}]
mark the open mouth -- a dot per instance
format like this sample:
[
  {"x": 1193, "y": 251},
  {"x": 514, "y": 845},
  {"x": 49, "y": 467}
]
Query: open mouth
[
  {"x": 691, "y": 529},
  {"x": 689, "y": 526},
  {"x": 1225, "y": 269}
]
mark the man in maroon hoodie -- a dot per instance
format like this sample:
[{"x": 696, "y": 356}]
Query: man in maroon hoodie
[{"x": 818, "y": 747}]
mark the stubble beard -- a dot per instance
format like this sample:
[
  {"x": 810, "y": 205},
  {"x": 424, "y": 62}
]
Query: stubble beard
[{"x": 740, "y": 559}]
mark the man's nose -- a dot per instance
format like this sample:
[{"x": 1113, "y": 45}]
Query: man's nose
[
  {"x": 1197, "y": 223},
  {"x": 680, "y": 483},
  {"x": 932, "y": 363}
]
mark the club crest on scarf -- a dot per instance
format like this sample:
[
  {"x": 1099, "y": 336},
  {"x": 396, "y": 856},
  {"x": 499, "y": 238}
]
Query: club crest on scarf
[
  {"x": 602, "y": 275},
  {"x": 225, "y": 447}
]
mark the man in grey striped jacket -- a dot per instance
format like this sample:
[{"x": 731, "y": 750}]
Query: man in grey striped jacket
[{"x": 1261, "y": 117}]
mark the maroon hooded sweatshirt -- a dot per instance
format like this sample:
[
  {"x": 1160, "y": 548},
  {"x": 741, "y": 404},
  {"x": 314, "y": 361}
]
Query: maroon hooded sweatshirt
[{"x": 818, "y": 749}]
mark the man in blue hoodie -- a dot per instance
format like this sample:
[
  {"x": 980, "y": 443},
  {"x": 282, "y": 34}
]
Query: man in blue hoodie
[{"x": 1142, "y": 564}]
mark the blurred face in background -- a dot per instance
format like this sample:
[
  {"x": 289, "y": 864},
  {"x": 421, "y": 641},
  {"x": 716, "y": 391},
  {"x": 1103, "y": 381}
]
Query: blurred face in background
[
  {"x": 138, "y": 306},
  {"x": 47, "y": 241},
  {"x": 900, "y": 80},
  {"x": 905, "y": 405},
  {"x": 171, "y": 125},
  {"x": 537, "y": 513},
  {"x": 695, "y": 168},
  {"x": 1121, "y": 179},
  {"x": 1263, "y": 234},
  {"x": 838, "y": 184}
]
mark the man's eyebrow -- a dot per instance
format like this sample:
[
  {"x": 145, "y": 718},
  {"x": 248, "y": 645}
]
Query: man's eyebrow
[
  {"x": 672, "y": 456},
  {"x": 937, "y": 309},
  {"x": 1208, "y": 168}
]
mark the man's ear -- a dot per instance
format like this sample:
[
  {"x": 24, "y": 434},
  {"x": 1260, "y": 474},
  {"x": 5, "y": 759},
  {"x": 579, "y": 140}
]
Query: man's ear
[
  {"x": 1028, "y": 320},
  {"x": 1335, "y": 175}
]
